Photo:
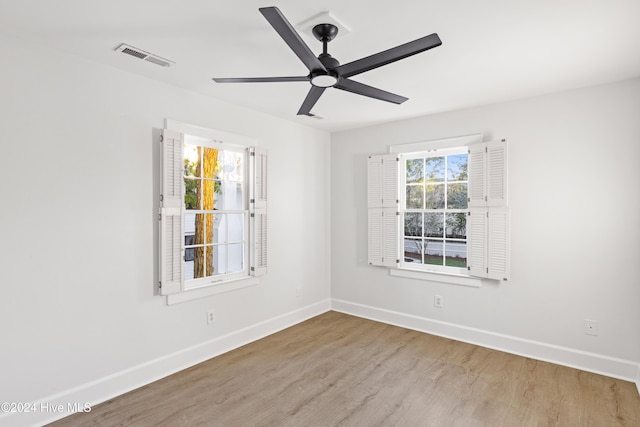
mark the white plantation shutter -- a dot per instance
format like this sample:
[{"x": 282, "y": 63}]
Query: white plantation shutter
[
  {"x": 487, "y": 169},
  {"x": 382, "y": 203},
  {"x": 498, "y": 247},
  {"x": 496, "y": 173},
  {"x": 374, "y": 182},
  {"x": 171, "y": 222},
  {"x": 477, "y": 175},
  {"x": 383, "y": 237},
  {"x": 390, "y": 256},
  {"x": 477, "y": 242},
  {"x": 259, "y": 157},
  {"x": 390, "y": 181},
  {"x": 382, "y": 173},
  {"x": 376, "y": 227},
  {"x": 258, "y": 211},
  {"x": 488, "y": 219}
]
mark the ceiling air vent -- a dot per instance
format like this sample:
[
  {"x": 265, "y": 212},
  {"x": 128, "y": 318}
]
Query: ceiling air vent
[{"x": 144, "y": 55}]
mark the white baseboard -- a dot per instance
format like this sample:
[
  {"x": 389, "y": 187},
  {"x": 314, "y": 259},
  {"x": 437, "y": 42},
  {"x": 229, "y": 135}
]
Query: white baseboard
[
  {"x": 590, "y": 362},
  {"x": 55, "y": 407}
]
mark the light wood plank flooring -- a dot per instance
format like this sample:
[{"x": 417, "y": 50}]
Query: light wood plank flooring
[{"x": 340, "y": 370}]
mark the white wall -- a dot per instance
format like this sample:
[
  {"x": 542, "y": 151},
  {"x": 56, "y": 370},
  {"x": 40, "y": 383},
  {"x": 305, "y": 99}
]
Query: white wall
[
  {"x": 78, "y": 230},
  {"x": 574, "y": 198}
]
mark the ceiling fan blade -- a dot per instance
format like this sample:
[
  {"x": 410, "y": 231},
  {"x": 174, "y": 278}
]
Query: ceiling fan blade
[
  {"x": 260, "y": 79},
  {"x": 292, "y": 38},
  {"x": 310, "y": 100},
  {"x": 388, "y": 56},
  {"x": 370, "y": 91}
]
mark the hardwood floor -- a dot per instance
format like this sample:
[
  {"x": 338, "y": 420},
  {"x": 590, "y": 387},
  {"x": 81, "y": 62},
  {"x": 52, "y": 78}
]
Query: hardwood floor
[{"x": 340, "y": 370}]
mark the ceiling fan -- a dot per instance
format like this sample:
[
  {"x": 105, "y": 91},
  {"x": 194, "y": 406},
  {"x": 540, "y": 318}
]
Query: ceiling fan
[{"x": 325, "y": 71}]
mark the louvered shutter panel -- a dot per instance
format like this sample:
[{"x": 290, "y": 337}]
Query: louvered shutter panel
[
  {"x": 259, "y": 212},
  {"x": 477, "y": 172},
  {"x": 382, "y": 184},
  {"x": 376, "y": 227},
  {"x": 383, "y": 237},
  {"x": 497, "y": 173},
  {"x": 488, "y": 228},
  {"x": 498, "y": 247},
  {"x": 477, "y": 242},
  {"x": 390, "y": 237},
  {"x": 390, "y": 181},
  {"x": 171, "y": 221},
  {"x": 260, "y": 177},
  {"x": 374, "y": 181}
]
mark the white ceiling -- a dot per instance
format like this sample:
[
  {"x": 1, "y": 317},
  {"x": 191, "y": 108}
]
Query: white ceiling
[{"x": 492, "y": 51}]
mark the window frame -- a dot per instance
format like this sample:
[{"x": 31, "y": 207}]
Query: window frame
[
  {"x": 200, "y": 282},
  {"x": 172, "y": 210},
  {"x": 403, "y": 210}
]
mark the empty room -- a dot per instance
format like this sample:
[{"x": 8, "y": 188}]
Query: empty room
[{"x": 338, "y": 213}]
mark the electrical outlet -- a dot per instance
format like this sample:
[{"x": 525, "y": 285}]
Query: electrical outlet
[
  {"x": 590, "y": 327},
  {"x": 211, "y": 317},
  {"x": 298, "y": 291},
  {"x": 438, "y": 301}
]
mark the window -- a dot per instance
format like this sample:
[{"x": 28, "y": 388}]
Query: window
[
  {"x": 440, "y": 207},
  {"x": 216, "y": 211},
  {"x": 213, "y": 211},
  {"x": 434, "y": 210}
]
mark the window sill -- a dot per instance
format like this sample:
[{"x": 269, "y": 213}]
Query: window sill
[
  {"x": 214, "y": 289},
  {"x": 451, "y": 279}
]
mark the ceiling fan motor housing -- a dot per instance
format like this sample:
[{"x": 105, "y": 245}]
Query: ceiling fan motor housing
[
  {"x": 325, "y": 33},
  {"x": 329, "y": 78}
]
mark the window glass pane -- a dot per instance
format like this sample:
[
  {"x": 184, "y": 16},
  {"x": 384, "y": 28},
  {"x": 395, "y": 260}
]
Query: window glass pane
[
  {"x": 198, "y": 229},
  {"x": 433, "y": 224},
  {"x": 191, "y": 192},
  {"x": 220, "y": 259},
  {"x": 415, "y": 196},
  {"x": 234, "y": 227},
  {"x": 456, "y": 254},
  {"x": 210, "y": 228},
  {"x": 413, "y": 224},
  {"x": 233, "y": 166},
  {"x": 218, "y": 195},
  {"x": 220, "y": 227},
  {"x": 457, "y": 196},
  {"x": 433, "y": 252},
  {"x": 198, "y": 262},
  {"x": 415, "y": 170},
  {"x": 435, "y": 196},
  {"x": 209, "y": 259},
  {"x": 189, "y": 228},
  {"x": 434, "y": 169},
  {"x": 235, "y": 260},
  {"x": 456, "y": 225},
  {"x": 192, "y": 155},
  {"x": 219, "y": 170},
  {"x": 229, "y": 196},
  {"x": 188, "y": 267},
  {"x": 457, "y": 167},
  {"x": 413, "y": 250},
  {"x": 209, "y": 163},
  {"x": 208, "y": 194}
]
